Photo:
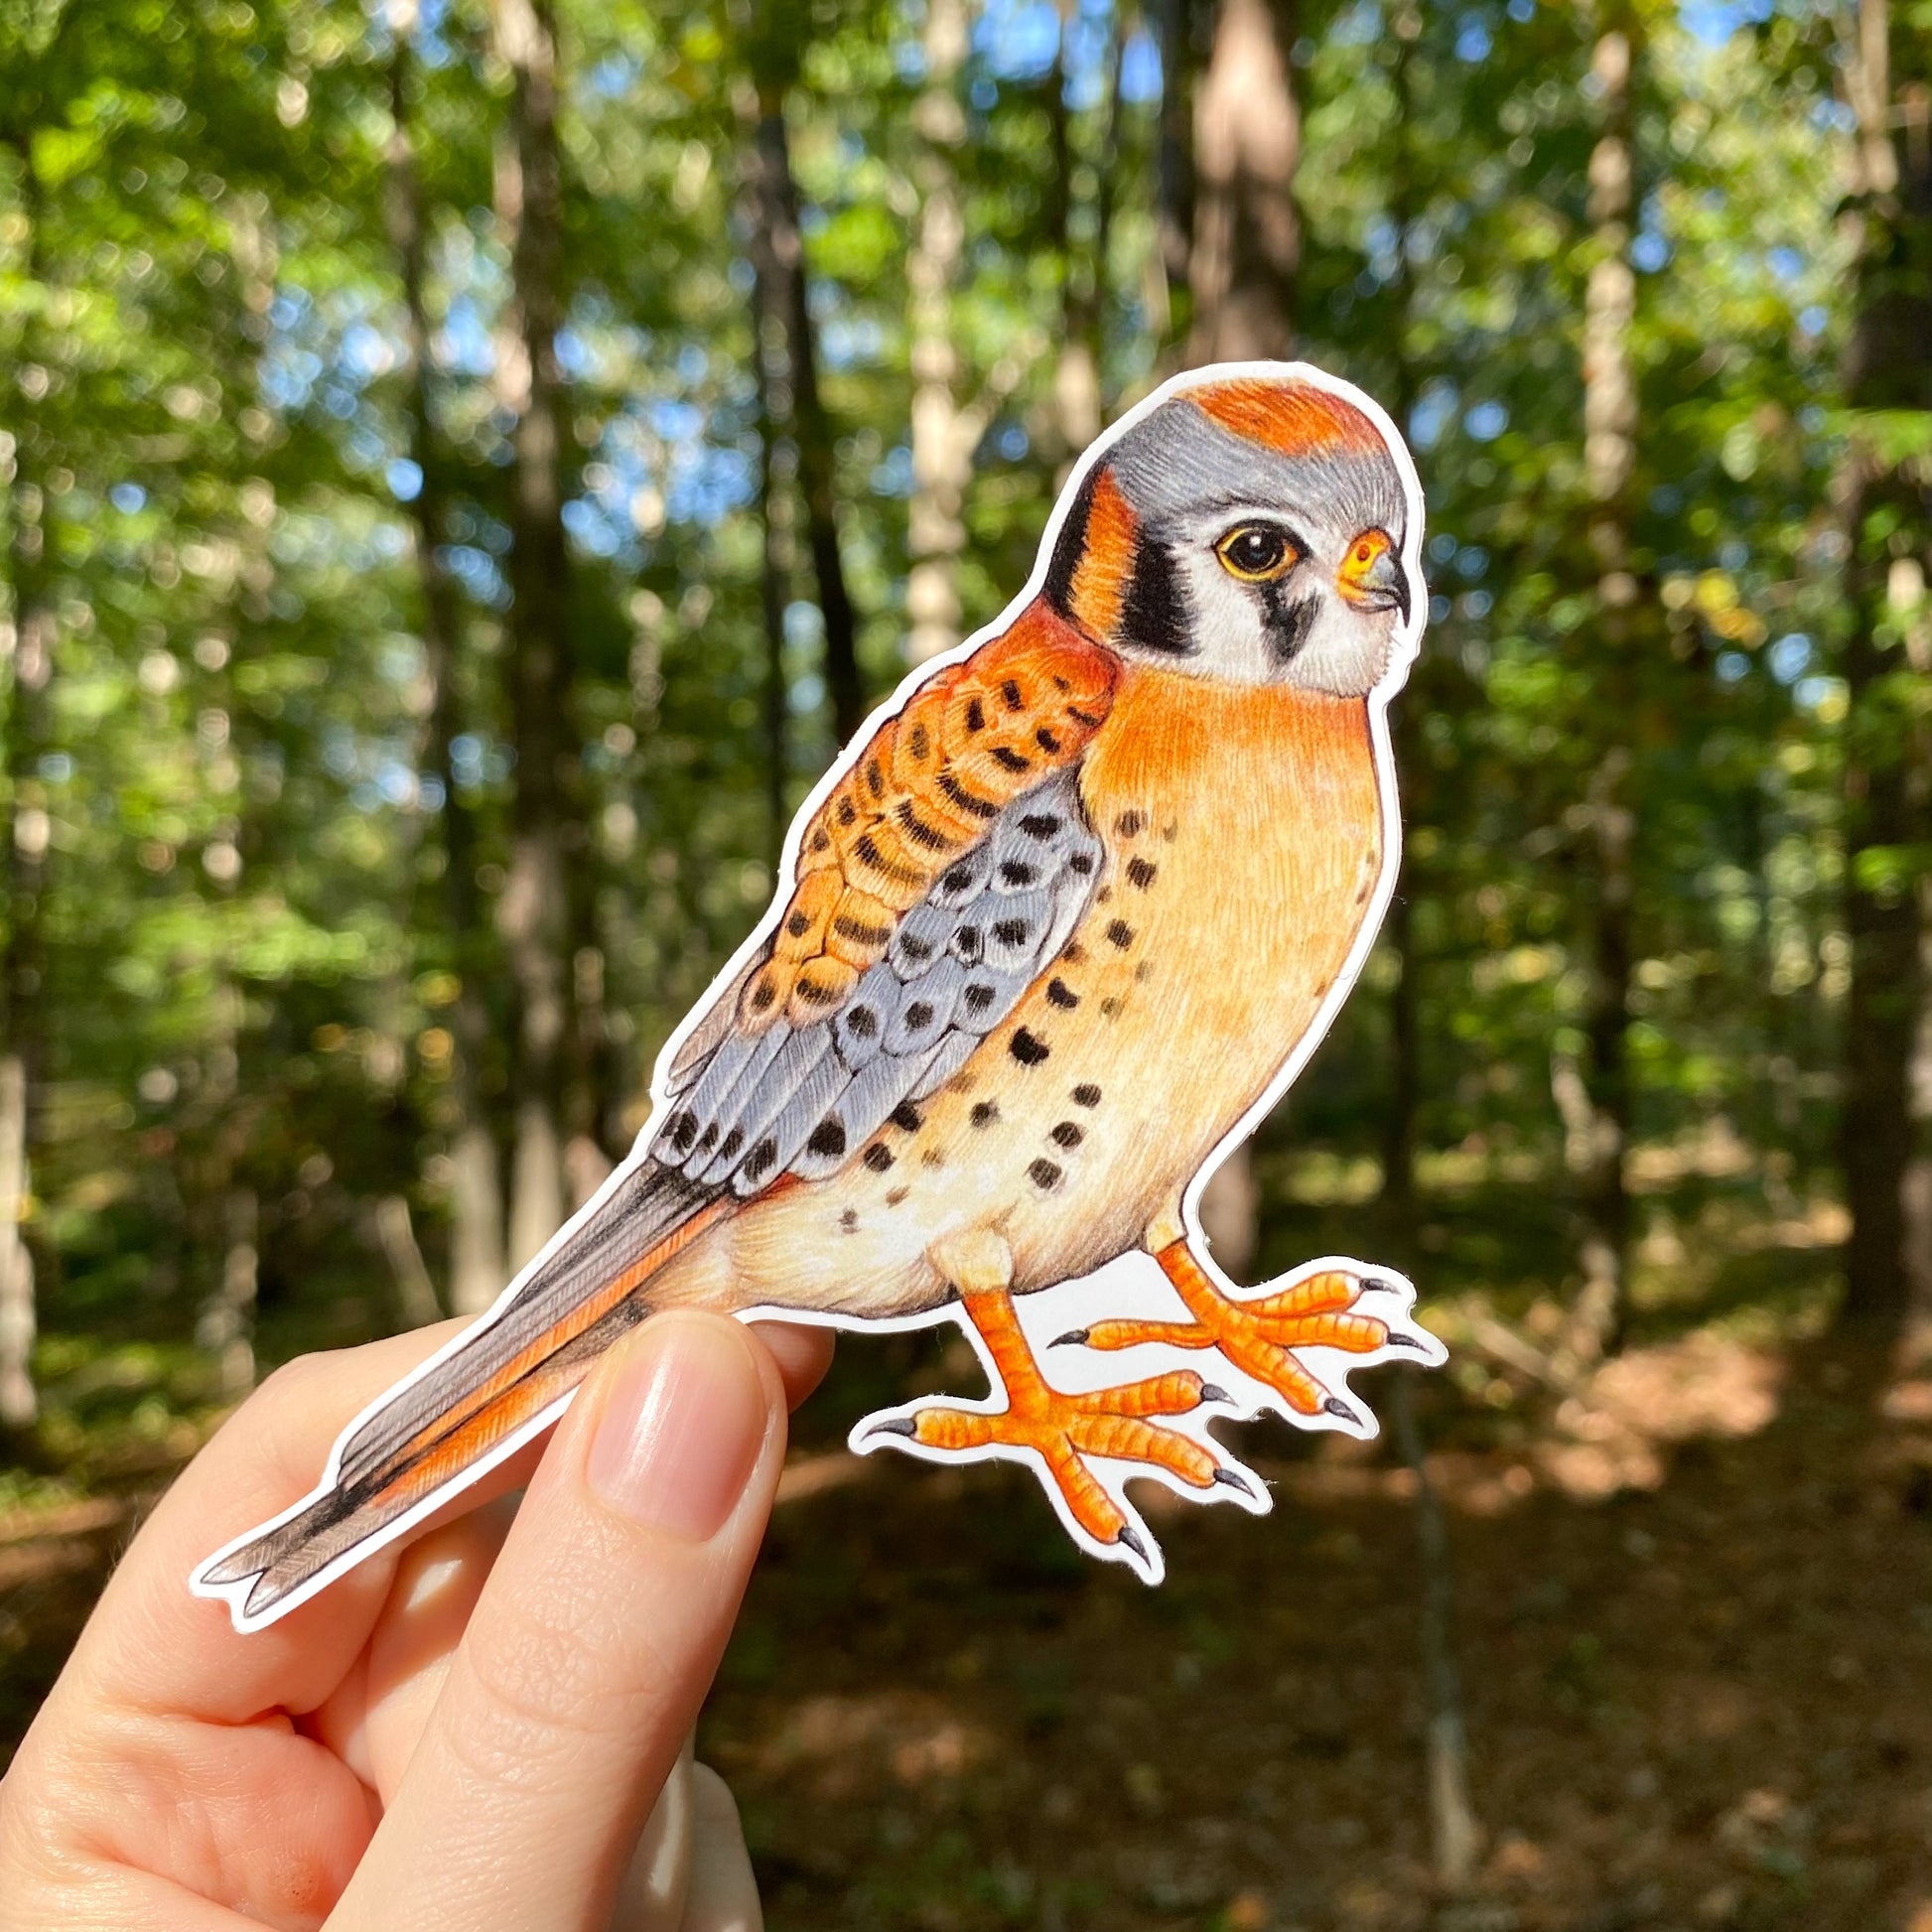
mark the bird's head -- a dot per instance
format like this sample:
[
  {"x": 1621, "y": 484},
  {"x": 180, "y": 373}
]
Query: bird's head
[{"x": 1250, "y": 528}]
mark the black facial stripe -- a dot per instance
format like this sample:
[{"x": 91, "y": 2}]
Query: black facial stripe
[
  {"x": 1286, "y": 624},
  {"x": 1070, "y": 546},
  {"x": 1153, "y": 614}
]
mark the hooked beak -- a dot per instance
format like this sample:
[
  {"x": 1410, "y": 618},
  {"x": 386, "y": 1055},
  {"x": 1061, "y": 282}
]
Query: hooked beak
[{"x": 1371, "y": 577}]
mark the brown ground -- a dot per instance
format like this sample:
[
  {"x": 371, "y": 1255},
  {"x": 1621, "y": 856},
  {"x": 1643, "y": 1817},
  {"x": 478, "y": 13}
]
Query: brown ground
[{"x": 1697, "y": 1703}]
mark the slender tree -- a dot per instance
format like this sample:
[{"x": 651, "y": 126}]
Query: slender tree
[
  {"x": 25, "y": 830},
  {"x": 1886, "y": 501},
  {"x": 1246, "y": 242},
  {"x": 548, "y": 850},
  {"x": 477, "y": 1259},
  {"x": 1602, "y": 1097}
]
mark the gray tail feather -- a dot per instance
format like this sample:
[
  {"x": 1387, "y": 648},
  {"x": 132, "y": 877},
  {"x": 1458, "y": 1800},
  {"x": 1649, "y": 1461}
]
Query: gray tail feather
[
  {"x": 285, "y": 1557},
  {"x": 374, "y": 1487}
]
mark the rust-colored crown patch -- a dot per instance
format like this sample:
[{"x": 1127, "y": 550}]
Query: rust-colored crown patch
[{"x": 1294, "y": 417}]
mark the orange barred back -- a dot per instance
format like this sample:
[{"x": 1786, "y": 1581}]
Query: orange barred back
[{"x": 927, "y": 788}]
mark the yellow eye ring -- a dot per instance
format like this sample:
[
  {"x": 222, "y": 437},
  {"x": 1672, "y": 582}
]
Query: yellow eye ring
[{"x": 1258, "y": 553}]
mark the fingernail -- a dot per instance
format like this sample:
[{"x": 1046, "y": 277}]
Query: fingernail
[{"x": 681, "y": 1430}]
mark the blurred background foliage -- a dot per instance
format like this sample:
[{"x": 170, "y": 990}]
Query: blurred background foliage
[{"x": 467, "y": 466}]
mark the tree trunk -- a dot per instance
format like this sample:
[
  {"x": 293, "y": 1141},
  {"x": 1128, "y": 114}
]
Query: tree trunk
[
  {"x": 1242, "y": 273},
  {"x": 1609, "y": 463},
  {"x": 763, "y": 219},
  {"x": 1167, "y": 294},
  {"x": 1247, "y": 140},
  {"x": 477, "y": 1262},
  {"x": 535, "y": 913},
  {"x": 29, "y": 637},
  {"x": 775, "y": 214},
  {"x": 1887, "y": 507},
  {"x": 942, "y": 458},
  {"x": 226, "y": 1327}
]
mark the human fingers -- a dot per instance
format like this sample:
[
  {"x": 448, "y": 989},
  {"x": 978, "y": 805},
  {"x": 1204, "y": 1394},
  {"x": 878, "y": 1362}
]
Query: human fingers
[
  {"x": 803, "y": 1351},
  {"x": 591, "y": 1646}
]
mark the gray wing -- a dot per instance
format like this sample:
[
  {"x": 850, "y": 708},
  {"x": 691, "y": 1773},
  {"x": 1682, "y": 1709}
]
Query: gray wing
[{"x": 747, "y": 1107}]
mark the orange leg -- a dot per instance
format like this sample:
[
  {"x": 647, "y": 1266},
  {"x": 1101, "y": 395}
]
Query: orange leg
[
  {"x": 1066, "y": 1429},
  {"x": 1260, "y": 1336}
]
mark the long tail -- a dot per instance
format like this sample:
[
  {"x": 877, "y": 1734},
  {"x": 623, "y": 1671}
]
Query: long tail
[{"x": 579, "y": 1301}]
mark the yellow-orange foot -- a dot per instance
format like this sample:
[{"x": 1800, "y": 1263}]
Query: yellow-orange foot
[
  {"x": 1066, "y": 1428},
  {"x": 1259, "y": 1334}
]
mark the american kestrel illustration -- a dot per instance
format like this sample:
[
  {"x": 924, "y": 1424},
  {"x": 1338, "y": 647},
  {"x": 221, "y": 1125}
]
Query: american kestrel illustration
[{"x": 1053, "y": 936}]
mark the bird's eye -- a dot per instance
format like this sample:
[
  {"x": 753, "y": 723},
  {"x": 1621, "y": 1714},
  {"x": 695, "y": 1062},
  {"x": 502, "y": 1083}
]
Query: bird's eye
[{"x": 1258, "y": 553}]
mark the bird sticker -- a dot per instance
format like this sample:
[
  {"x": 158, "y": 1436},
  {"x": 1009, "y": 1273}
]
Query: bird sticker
[{"x": 1050, "y": 939}]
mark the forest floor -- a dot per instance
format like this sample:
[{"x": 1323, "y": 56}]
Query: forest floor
[{"x": 1694, "y": 1622}]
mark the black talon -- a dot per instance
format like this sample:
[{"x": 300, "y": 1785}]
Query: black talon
[
  {"x": 1378, "y": 1285},
  {"x": 1396, "y": 1340},
  {"x": 1131, "y": 1537},
  {"x": 1071, "y": 1335},
  {"x": 1234, "y": 1481},
  {"x": 907, "y": 1426},
  {"x": 1213, "y": 1391},
  {"x": 1335, "y": 1406}
]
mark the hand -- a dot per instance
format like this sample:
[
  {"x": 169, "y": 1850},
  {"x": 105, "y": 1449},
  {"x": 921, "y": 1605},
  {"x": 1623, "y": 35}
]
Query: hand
[{"x": 487, "y": 1728}]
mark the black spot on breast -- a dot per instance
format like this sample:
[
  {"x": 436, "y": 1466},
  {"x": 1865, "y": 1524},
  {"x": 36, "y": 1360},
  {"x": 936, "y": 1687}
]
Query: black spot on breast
[
  {"x": 1009, "y": 759},
  {"x": 1129, "y": 825},
  {"x": 761, "y": 1158},
  {"x": 729, "y": 1145},
  {"x": 985, "y": 1113},
  {"x": 849, "y": 1220},
  {"x": 878, "y": 1157},
  {"x": 1027, "y": 1049},
  {"x": 1086, "y": 1094},
  {"x": 896, "y": 1196},
  {"x": 1142, "y": 873},
  {"x": 1010, "y": 932},
  {"x": 798, "y": 925},
  {"x": 1010, "y": 691},
  {"x": 1066, "y": 1135},
  {"x": 828, "y": 1139},
  {"x": 978, "y": 997},
  {"x": 1121, "y": 935},
  {"x": 1039, "y": 825},
  {"x": 1109, "y": 1008},
  {"x": 1170, "y": 832},
  {"x": 1012, "y": 871},
  {"x": 932, "y": 1158},
  {"x": 1044, "y": 1174},
  {"x": 919, "y": 1015},
  {"x": 1074, "y": 952},
  {"x": 1062, "y": 994},
  {"x": 906, "y": 1117},
  {"x": 1143, "y": 971},
  {"x": 975, "y": 714}
]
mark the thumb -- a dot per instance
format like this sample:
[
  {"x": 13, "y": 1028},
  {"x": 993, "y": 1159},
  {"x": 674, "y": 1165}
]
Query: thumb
[{"x": 591, "y": 1648}]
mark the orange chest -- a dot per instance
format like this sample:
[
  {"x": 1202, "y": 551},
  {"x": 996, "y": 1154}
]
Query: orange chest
[{"x": 1245, "y": 837}]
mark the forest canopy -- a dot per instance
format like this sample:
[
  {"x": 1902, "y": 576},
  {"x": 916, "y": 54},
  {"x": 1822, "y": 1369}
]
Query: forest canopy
[{"x": 465, "y": 468}]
